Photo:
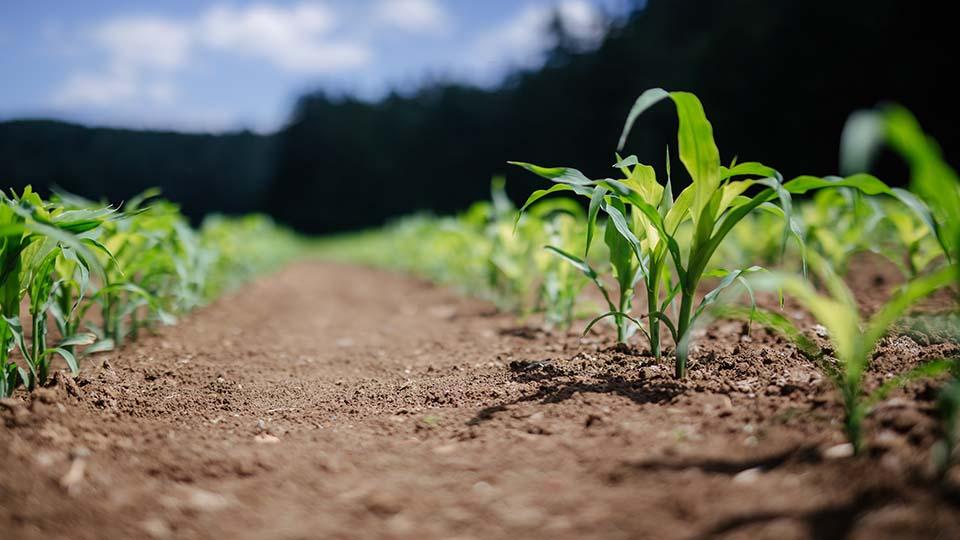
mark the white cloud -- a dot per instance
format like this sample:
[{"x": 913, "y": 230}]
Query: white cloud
[
  {"x": 99, "y": 89},
  {"x": 144, "y": 52},
  {"x": 522, "y": 40},
  {"x": 114, "y": 85},
  {"x": 145, "y": 42},
  {"x": 582, "y": 20},
  {"x": 414, "y": 16},
  {"x": 294, "y": 39}
]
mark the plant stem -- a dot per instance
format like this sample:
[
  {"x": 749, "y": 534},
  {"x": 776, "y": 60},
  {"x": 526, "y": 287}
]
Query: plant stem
[
  {"x": 683, "y": 329},
  {"x": 38, "y": 346},
  {"x": 653, "y": 299},
  {"x": 854, "y": 415}
]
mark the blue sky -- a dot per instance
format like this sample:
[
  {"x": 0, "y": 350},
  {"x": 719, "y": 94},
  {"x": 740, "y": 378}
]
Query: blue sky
[{"x": 226, "y": 64}]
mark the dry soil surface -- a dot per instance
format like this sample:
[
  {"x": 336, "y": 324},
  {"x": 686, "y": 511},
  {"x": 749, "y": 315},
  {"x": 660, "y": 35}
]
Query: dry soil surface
[{"x": 328, "y": 401}]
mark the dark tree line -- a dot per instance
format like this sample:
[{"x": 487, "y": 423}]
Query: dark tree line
[
  {"x": 778, "y": 80},
  {"x": 204, "y": 173}
]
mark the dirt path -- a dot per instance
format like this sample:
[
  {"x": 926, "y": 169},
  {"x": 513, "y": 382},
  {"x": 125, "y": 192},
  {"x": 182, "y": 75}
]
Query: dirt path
[{"x": 337, "y": 402}]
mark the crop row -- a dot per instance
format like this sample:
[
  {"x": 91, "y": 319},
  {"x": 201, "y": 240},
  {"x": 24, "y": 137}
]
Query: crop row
[
  {"x": 103, "y": 274},
  {"x": 638, "y": 242}
]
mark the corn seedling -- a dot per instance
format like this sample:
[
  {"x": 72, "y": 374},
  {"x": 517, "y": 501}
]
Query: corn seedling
[
  {"x": 36, "y": 236},
  {"x": 561, "y": 282},
  {"x": 644, "y": 218},
  {"x": 853, "y": 338},
  {"x": 931, "y": 178},
  {"x": 63, "y": 256},
  {"x": 841, "y": 223}
]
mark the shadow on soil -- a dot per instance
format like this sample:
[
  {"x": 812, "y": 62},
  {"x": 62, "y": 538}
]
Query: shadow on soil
[
  {"x": 546, "y": 375},
  {"x": 828, "y": 523},
  {"x": 794, "y": 454}
]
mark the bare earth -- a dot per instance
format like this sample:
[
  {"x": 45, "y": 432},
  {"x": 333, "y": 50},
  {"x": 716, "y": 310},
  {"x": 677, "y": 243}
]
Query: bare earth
[{"x": 338, "y": 402}]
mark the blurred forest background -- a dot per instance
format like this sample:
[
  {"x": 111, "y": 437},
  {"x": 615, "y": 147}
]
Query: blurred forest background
[{"x": 778, "y": 80}]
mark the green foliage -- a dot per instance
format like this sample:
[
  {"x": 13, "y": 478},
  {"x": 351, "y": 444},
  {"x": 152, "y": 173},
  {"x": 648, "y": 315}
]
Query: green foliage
[
  {"x": 652, "y": 230},
  {"x": 932, "y": 180},
  {"x": 852, "y": 336},
  {"x": 729, "y": 219},
  {"x": 37, "y": 236},
  {"x": 139, "y": 266},
  {"x": 485, "y": 251}
]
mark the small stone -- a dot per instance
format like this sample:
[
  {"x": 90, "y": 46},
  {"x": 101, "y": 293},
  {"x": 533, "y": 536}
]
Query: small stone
[
  {"x": 839, "y": 451},
  {"x": 445, "y": 449},
  {"x": 748, "y": 476},
  {"x": 156, "y": 528},
  {"x": 484, "y": 490},
  {"x": 266, "y": 438},
  {"x": 206, "y": 501}
]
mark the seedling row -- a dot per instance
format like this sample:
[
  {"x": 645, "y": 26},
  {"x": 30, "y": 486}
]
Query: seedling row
[
  {"x": 661, "y": 260},
  {"x": 90, "y": 276}
]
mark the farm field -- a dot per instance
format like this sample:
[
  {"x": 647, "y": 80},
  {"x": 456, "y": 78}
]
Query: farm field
[
  {"x": 427, "y": 415},
  {"x": 513, "y": 269},
  {"x": 746, "y": 357}
]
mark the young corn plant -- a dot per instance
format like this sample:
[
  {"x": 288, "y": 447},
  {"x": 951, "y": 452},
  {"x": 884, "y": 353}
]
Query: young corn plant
[
  {"x": 74, "y": 285},
  {"x": 853, "y": 338},
  {"x": 12, "y": 243},
  {"x": 624, "y": 269},
  {"x": 913, "y": 247},
  {"x": 643, "y": 219},
  {"x": 145, "y": 270},
  {"x": 36, "y": 235},
  {"x": 562, "y": 283},
  {"x": 840, "y": 223},
  {"x": 757, "y": 239},
  {"x": 932, "y": 180}
]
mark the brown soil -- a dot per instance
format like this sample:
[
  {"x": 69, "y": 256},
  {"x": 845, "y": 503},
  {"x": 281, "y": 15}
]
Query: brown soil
[{"x": 337, "y": 402}]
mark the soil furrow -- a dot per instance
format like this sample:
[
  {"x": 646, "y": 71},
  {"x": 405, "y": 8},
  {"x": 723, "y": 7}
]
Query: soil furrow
[{"x": 330, "y": 401}]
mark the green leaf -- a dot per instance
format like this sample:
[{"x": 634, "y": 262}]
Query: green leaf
[
  {"x": 577, "y": 262},
  {"x": 84, "y": 338},
  {"x": 599, "y": 318},
  {"x": 562, "y": 175},
  {"x": 908, "y": 295},
  {"x": 102, "y": 345},
  {"x": 866, "y": 183},
  {"x": 596, "y": 201},
  {"x": 925, "y": 371},
  {"x": 922, "y": 211},
  {"x": 644, "y": 102},
  {"x": 666, "y": 201},
  {"x": 67, "y": 356},
  {"x": 698, "y": 151},
  {"x": 748, "y": 168},
  {"x": 714, "y": 294},
  {"x": 587, "y": 270},
  {"x": 628, "y": 161},
  {"x": 536, "y": 196},
  {"x": 861, "y": 138},
  {"x": 620, "y": 224}
]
